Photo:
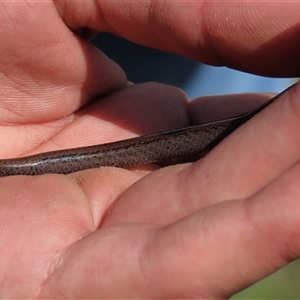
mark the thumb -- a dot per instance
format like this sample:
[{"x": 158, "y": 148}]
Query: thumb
[{"x": 49, "y": 72}]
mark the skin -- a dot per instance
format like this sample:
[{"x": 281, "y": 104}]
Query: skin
[{"x": 201, "y": 230}]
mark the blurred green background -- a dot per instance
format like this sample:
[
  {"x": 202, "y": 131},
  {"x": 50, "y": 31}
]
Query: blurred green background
[{"x": 283, "y": 284}]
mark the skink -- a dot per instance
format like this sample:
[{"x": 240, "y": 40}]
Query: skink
[{"x": 198, "y": 139}]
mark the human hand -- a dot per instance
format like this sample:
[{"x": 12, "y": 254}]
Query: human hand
[{"x": 204, "y": 230}]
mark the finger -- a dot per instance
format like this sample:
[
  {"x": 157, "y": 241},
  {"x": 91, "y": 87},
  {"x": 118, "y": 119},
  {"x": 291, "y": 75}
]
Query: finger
[
  {"x": 253, "y": 155},
  {"x": 133, "y": 111},
  {"x": 49, "y": 72},
  {"x": 178, "y": 195},
  {"x": 239, "y": 166},
  {"x": 136, "y": 110},
  {"x": 257, "y": 37},
  {"x": 216, "y": 252},
  {"x": 210, "y": 254}
]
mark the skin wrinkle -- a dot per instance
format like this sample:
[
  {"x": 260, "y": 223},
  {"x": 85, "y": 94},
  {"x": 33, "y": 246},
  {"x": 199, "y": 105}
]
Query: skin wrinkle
[
  {"x": 252, "y": 222},
  {"x": 55, "y": 128},
  {"x": 50, "y": 139},
  {"x": 231, "y": 255},
  {"x": 48, "y": 69},
  {"x": 110, "y": 197},
  {"x": 166, "y": 24},
  {"x": 14, "y": 110},
  {"x": 56, "y": 266},
  {"x": 249, "y": 218},
  {"x": 145, "y": 257},
  {"x": 215, "y": 35},
  {"x": 176, "y": 244},
  {"x": 287, "y": 250},
  {"x": 79, "y": 181},
  {"x": 34, "y": 224}
]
